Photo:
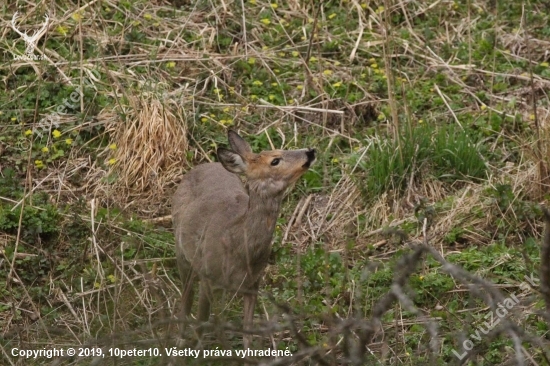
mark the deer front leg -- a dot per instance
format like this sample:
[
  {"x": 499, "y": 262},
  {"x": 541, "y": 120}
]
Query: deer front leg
[
  {"x": 204, "y": 303},
  {"x": 188, "y": 276},
  {"x": 187, "y": 296},
  {"x": 248, "y": 318}
]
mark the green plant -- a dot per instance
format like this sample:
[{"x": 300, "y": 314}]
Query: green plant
[
  {"x": 36, "y": 221},
  {"x": 419, "y": 152}
]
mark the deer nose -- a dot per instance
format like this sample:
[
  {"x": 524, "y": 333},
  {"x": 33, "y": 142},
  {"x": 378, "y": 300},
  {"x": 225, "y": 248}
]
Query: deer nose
[{"x": 310, "y": 153}]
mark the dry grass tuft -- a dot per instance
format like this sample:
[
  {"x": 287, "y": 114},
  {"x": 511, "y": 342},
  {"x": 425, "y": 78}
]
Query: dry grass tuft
[{"x": 148, "y": 147}]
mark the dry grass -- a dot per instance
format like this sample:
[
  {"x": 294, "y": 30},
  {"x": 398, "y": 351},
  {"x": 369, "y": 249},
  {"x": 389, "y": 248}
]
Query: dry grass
[{"x": 148, "y": 149}]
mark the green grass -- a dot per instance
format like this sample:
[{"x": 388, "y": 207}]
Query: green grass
[{"x": 445, "y": 153}]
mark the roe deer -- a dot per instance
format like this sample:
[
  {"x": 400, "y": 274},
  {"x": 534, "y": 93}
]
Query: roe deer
[{"x": 224, "y": 229}]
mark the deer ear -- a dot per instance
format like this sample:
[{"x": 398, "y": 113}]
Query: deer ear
[
  {"x": 232, "y": 161},
  {"x": 238, "y": 144}
]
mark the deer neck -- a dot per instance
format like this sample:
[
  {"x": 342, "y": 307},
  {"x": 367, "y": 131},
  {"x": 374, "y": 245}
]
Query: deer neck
[{"x": 261, "y": 218}]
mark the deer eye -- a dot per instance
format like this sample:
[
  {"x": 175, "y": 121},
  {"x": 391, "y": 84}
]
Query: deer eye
[{"x": 275, "y": 161}]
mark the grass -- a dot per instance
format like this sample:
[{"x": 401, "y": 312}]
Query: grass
[
  {"x": 430, "y": 119},
  {"x": 445, "y": 153}
]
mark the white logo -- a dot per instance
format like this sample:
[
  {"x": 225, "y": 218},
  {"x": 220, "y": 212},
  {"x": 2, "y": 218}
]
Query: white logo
[{"x": 30, "y": 41}]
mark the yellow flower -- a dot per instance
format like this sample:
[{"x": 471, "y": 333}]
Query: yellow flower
[
  {"x": 251, "y": 60},
  {"x": 313, "y": 59},
  {"x": 299, "y": 87},
  {"x": 291, "y": 101},
  {"x": 112, "y": 161},
  {"x": 265, "y": 48},
  {"x": 257, "y": 83},
  {"x": 170, "y": 64},
  {"x": 61, "y": 30},
  {"x": 45, "y": 149},
  {"x": 295, "y": 53},
  {"x": 532, "y": 117},
  {"x": 204, "y": 119},
  {"x": 421, "y": 278},
  {"x": 147, "y": 16},
  {"x": 253, "y": 97},
  {"x": 69, "y": 141},
  {"x": 374, "y": 66},
  {"x": 327, "y": 72},
  {"x": 111, "y": 278},
  {"x": 274, "y": 6},
  {"x": 282, "y": 54},
  {"x": 483, "y": 107},
  {"x": 331, "y": 16},
  {"x": 420, "y": 121},
  {"x": 337, "y": 63},
  {"x": 226, "y": 109},
  {"x": 28, "y": 132},
  {"x": 56, "y": 134},
  {"x": 274, "y": 84},
  {"x": 39, "y": 164},
  {"x": 337, "y": 84},
  {"x": 253, "y": 2},
  {"x": 364, "y": 5},
  {"x": 544, "y": 64},
  {"x": 379, "y": 10},
  {"x": 265, "y": 21},
  {"x": 13, "y": 119},
  {"x": 335, "y": 160},
  {"x": 271, "y": 97},
  {"x": 113, "y": 147},
  {"x": 76, "y": 16}
]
